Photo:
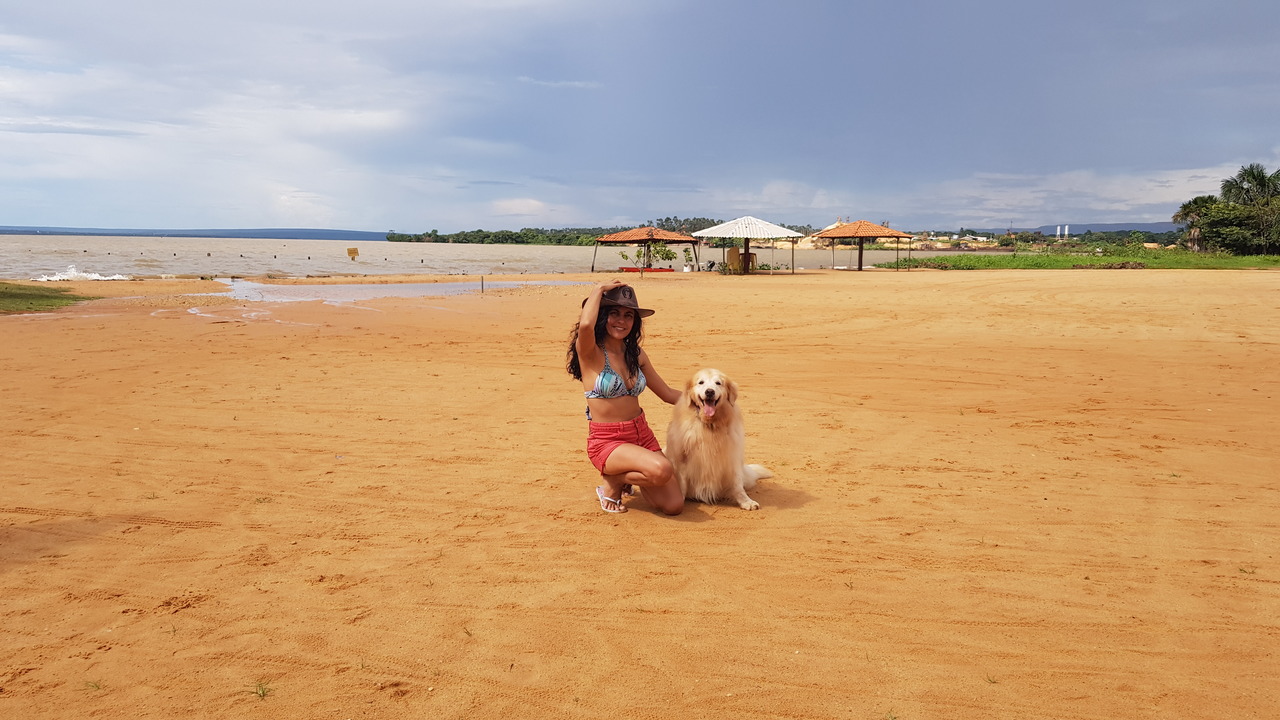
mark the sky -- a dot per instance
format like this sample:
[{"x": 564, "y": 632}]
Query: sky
[{"x": 414, "y": 115}]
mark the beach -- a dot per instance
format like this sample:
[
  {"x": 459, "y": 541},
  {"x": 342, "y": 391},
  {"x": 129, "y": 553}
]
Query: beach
[{"x": 1005, "y": 494}]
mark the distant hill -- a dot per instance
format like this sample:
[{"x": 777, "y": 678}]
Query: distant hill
[
  {"x": 362, "y": 235},
  {"x": 1081, "y": 228},
  {"x": 265, "y": 233}
]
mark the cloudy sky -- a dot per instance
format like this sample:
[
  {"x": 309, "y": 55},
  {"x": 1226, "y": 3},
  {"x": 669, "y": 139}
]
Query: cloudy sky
[{"x": 413, "y": 115}]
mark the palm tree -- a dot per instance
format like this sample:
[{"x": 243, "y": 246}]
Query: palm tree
[
  {"x": 1251, "y": 186},
  {"x": 1191, "y": 214}
]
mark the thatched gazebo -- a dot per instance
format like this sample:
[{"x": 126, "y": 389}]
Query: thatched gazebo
[
  {"x": 860, "y": 230},
  {"x": 643, "y": 236}
]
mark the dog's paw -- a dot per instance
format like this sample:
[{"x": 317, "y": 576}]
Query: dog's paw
[{"x": 748, "y": 504}]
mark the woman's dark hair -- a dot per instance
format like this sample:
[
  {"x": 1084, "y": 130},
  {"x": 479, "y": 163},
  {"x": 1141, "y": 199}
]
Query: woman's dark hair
[{"x": 630, "y": 345}]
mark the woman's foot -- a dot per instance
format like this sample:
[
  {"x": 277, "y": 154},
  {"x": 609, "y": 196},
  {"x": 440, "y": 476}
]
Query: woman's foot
[{"x": 610, "y": 504}]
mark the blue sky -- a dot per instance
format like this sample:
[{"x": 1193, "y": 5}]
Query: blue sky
[{"x": 500, "y": 114}]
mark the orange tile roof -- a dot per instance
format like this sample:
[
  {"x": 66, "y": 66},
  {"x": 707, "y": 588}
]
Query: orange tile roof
[
  {"x": 861, "y": 229},
  {"x": 643, "y": 235}
]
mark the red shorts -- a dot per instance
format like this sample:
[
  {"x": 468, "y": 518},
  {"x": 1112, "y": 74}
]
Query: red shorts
[{"x": 604, "y": 438}]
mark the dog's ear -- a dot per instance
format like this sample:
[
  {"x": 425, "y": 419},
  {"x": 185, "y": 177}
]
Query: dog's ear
[
  {"x": 732, "y": 388},
  {"x": 688, "y": 392}
]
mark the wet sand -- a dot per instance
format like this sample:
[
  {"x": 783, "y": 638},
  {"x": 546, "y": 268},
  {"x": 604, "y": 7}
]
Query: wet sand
[{"x": 998, "y": 494}]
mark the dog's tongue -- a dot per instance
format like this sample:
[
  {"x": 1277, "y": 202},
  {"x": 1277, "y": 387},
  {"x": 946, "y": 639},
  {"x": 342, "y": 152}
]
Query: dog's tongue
[{"x": 709, "y": 410}]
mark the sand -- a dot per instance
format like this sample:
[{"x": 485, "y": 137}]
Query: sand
[{"x": 998, "y": 495}]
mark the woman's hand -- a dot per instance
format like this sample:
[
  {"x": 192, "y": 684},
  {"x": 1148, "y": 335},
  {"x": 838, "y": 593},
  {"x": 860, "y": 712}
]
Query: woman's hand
[{"x": 591, "y": 311}]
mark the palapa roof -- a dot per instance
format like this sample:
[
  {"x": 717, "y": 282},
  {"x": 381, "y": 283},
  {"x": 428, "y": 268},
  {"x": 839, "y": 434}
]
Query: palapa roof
[
  {"x": 861, "y": 229},
  {"x": 644, "y": 235},
  {"x": 748, "y": 227}
]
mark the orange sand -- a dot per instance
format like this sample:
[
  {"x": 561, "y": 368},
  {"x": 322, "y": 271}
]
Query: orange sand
[{"x": 997, "y": 495}]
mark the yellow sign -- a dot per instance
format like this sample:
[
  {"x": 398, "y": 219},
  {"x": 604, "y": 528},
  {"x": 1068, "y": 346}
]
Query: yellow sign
[{"x": 353, "y": 253}]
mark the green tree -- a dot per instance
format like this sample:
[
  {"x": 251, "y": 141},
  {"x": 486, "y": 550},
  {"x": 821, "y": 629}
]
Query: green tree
[
  {"x": 659, "y": 251},
  {"x": 802, "y": 229},
  {"x": 1191, "y": 214},
  {"x": 683, "y": 225},
  {"x": 1258, "y": 191},
  {"x": 1252, "y": 185},
  {"x": 1243, "y": 219},
  {"x": 1228, "y": 227}
]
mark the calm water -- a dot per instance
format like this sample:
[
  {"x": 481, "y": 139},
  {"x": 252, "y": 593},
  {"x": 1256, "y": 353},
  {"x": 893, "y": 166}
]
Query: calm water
[{"x": 32, "y": 256}]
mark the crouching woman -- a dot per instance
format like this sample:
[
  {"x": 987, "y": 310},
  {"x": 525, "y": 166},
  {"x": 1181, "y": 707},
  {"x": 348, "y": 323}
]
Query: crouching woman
[{"x": 605, "y": 354}]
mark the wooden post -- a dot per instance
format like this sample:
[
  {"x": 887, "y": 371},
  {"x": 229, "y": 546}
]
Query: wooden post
[{"x": 860, "y": 241}]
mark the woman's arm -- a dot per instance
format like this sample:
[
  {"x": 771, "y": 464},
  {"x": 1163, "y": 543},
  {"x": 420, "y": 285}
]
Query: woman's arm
[
  {"x": 588, "y": 351},
  {"x": 655, "y": 382}
]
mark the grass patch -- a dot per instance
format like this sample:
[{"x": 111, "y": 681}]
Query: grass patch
[
  {"x": 1121, "y": 257},
  {"x": 35, "y": 298},
  {"x": 262, "y": 690}
]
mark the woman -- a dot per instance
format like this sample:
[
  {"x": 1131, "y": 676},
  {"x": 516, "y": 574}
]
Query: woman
[{"x": 605, "y": 354}]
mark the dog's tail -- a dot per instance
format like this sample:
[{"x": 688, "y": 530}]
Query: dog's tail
[{"x": 752, "y": 473}]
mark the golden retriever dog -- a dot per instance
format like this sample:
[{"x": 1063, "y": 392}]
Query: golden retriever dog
[{"x": 707, "y": 444}]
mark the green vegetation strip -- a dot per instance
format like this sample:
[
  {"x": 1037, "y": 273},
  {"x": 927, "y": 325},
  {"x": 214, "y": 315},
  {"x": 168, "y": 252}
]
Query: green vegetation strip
[
  {"x": 34, "y": 298},
  {"x": 1125, "y": 259}
]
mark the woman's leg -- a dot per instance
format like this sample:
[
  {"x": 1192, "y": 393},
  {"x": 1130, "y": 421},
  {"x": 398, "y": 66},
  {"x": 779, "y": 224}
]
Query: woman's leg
[{"x": 650, "y": 471}]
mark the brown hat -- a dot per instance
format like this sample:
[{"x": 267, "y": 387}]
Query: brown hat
[{"x": 624, "y": 296}]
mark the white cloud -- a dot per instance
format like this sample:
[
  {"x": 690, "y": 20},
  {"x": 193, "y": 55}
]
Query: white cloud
[
  {"x": 979, "y": 199},
  {"x": 1073, "y": 196},
  {"x": 501, "y": 113},
  {"x": 572, "y": 84},
  {"x": 528, "y": 209}
]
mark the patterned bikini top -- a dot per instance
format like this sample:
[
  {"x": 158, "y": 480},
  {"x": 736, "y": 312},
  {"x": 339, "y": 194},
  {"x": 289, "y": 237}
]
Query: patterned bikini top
[{"x": 610, "y": 385}]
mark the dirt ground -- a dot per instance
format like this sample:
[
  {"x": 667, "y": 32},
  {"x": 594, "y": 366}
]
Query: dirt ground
[{"x": 1000, "y": 494}]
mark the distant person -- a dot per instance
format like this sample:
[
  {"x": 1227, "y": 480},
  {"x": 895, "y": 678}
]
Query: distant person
[{"x": 605, "y": 355}]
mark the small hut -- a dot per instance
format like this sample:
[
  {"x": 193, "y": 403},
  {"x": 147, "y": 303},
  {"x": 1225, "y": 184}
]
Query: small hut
[
  {"x": 750, "y": 228},
  {"x": 860, "y": 230},
  {"x": 644, "y": 236}
]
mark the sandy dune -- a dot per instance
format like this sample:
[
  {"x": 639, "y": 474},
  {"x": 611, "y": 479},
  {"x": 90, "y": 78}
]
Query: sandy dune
[{"x": 998, "y": 495}]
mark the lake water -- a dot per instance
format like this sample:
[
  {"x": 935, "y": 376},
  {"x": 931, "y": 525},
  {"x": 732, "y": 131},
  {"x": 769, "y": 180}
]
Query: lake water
[{"x": 25, "y": 257}]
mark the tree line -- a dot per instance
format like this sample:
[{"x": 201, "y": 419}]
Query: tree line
[
  {"x": 1242, "y": 219},
  {"x": 565, "y": 236},
  {"x": 525, "y": 236},
  {"x": 1089, "y": 239}
]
